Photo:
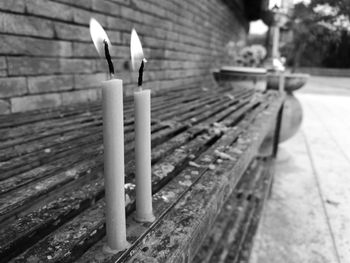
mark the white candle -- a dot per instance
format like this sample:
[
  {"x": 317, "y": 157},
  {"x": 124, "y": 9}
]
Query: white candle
[
  {"x": 142, "y": 103},
  {"x": 113, "y": 141},
  {"x": 142, "y": 106}
]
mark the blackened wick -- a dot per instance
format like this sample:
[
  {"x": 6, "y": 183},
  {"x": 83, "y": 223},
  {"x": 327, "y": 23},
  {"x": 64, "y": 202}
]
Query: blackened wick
[
  {"x": 141, "y": 73},
  {"x": 109, "y": 59}
]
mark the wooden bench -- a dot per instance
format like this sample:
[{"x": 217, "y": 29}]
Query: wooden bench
[{"x": 203, "y": 142}]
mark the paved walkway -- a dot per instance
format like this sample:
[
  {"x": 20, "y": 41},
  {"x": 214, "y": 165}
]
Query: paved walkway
[{"x": 307, "y": 218}]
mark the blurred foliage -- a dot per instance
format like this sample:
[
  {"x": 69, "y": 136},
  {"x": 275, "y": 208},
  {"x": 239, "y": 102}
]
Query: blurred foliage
[
  {"x": 342, "y": 7},
  {"x": 338, "y": 55},
  {"x": 320, "y": 34}
]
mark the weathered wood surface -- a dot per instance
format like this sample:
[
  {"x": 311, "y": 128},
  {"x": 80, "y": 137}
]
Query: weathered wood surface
[
  {"x": 175, "y": 189},
  {"x": 227, "y": 224},
  {"x": 51, "y": 168},
  {"x": 239, "y": 249},
  {"x": 85, "y": 148},
  {"x": 177, "y": 235}
]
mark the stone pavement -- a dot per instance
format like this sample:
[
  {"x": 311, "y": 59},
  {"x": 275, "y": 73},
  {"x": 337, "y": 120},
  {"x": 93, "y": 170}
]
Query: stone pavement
[{"x": 307, "y": 218}]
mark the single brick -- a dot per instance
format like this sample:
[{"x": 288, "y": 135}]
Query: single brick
[
  {"x": 154, "y": 32},
  {"x": 102, "y": 66},
  {"x": 127, "y": 12},
  {"x": 79, "y": 96},
  {"x": 126, "y": 38},
  {"x": 17, "y": 45},
  {"x": 167, "y": 5},
  {"x": 45, "y": 84},
  {"x": 4, "y": 107},
  {"x": 106, "y": 7},
  {"x": 153, "y": 42},
  {"x": 49, "y": 9},
  {"x": 115, "y": 37},
  {"x": 19, "y": 104},
  {"x": 13, "y": 5},
  {"x": 25, "y": 25},
  {"x": 120, "y": 51},
  {"x": 148, "y": 7},
  {"x": 10, "y": 87},
  {"x": 119, "y": 23},
  {"x": 72, "y": 32},
  {"x": 70, "y": 66},
  {"x": 18, "y": 66},
  {"x": 83, "y": 17},
  {"x": 84, "y": 50},
  {"x": 86, "y": 81}
]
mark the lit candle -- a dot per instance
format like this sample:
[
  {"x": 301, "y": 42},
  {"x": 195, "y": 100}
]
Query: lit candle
[
  {"x": 142, "y": 104},
  {"x": 113, "y": 141}
]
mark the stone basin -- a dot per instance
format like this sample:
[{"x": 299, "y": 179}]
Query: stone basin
[
  {"x": 293, "y": 81},
  {"x": 242, "y": 77}
]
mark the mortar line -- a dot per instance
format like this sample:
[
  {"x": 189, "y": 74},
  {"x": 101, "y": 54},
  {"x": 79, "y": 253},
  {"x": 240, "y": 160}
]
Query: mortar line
[{"x": 321, "y": 195}]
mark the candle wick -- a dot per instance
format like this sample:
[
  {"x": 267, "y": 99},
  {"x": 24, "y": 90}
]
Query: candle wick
[
  {"x": 140, "y": 80},
  {"x": 109, "y": 60}
]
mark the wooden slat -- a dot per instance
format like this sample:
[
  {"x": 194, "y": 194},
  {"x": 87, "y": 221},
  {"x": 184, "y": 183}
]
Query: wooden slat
[
  {"x": 236, "y": 229},
  {"x": 238, "y": 249},
  {"x": 231, "y": 213}
]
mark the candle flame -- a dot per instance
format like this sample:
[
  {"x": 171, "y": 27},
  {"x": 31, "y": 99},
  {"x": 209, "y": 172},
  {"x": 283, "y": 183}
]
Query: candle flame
[
  {"x": 99, "y": 37},
  {"x": 136, "y": 50}
]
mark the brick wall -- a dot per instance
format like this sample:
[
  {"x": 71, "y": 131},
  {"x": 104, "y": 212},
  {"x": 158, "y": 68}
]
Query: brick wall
[{"x": 47, "y": 58}]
